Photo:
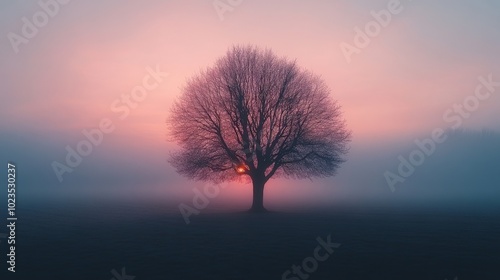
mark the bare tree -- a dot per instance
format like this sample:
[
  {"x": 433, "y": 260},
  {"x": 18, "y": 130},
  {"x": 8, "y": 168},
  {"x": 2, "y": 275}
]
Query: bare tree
[{"x": 258, "y": 115}]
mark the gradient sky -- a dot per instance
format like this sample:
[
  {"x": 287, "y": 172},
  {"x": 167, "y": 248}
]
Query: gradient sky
[{"x": 395, "y": 90}]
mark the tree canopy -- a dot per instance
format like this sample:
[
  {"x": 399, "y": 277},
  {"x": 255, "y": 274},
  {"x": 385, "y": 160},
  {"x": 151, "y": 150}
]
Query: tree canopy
[{"x": 258, "y": 114}]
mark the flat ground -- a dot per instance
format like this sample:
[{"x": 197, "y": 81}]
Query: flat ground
[{"x": 88, "y": 241}]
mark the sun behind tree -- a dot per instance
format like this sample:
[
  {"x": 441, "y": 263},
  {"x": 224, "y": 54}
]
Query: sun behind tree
[{"x": 258, "y": 115}]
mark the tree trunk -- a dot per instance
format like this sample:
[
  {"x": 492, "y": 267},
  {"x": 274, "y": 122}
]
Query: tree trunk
[{"x": 258, "y": 195}]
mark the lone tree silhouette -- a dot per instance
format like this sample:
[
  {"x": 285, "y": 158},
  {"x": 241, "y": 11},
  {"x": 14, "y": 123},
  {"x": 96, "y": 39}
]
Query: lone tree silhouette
[{"x": 258, "y": 115}]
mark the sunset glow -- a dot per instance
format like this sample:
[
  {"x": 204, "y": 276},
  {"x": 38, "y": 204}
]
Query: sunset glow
[{"x": 241, "y": 169}]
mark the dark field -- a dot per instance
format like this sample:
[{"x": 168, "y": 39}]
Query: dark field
[{"x": 78, "y": 241}]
